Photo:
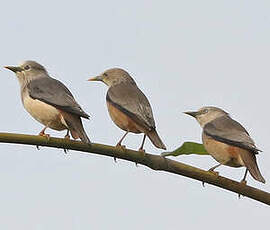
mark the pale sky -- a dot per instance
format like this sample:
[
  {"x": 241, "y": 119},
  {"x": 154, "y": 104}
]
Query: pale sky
[{"x": 183, "y": 55}]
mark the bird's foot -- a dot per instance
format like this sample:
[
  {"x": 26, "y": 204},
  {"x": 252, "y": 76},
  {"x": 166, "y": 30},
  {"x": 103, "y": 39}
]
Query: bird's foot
[
  {"x": 120, "y": 146},
  {"x": 65, "y": 151},
  {"x": 143, "y": 153},
  {"x": 244, "y": 183},
  {"x": 123, "y": 147},
  {"x": 44, "y": 135},
  {"x": 67, "y": 137},
  {"x": 141, "y": 150},
  {"x": 38, "y": 148},
  {"x": 212, "y": 171}
]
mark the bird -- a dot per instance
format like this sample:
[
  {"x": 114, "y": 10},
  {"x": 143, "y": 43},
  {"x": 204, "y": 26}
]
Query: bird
[
  {"x": 227, "y": 141},
  {"x": 128, "y": 107},
  {"x": 49, "y": 101}
]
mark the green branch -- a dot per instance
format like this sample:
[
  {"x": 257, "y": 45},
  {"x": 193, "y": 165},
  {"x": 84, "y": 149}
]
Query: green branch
[{"x": 154, "y": 162}]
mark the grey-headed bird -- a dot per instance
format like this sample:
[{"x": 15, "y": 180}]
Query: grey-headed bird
[
  {"x": 128, "y": 107},
  {"x": 227, "y": 141},
  {"x": 49, "y": 101}
]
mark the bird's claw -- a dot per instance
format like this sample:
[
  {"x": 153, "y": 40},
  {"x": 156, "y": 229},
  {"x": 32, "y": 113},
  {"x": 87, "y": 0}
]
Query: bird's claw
[
  {"x": 243, "y": 182},
  {"x": 120, "y": 146},
  {"x": 142, "y": 151},
  {"x": 44, "y": 135},
  {"x": 214, "y": 172}
]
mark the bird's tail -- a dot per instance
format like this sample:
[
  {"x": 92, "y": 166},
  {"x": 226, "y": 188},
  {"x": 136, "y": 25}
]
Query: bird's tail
[
  {"x": 82, "y": 134},
  {"x": 252, "y": 166},
  {"x": 153, "y": 136},
  {"x": 75, "y": 126}
]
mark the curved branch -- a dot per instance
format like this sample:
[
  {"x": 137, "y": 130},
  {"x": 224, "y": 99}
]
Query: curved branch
[{"x": 154, "y": 162}]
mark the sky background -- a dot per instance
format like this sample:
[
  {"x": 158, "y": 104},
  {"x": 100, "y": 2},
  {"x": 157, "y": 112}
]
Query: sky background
[{"x": 183, "y": 55}]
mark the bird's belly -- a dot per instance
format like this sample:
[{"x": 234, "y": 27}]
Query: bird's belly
[
  {"x": 122, "y": 120},
  {"x": 223, "y": 153},
  {"x": 44, "y": 113}
]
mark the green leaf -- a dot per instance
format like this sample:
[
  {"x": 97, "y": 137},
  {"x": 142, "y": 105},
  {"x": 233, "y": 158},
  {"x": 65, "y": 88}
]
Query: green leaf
[{"x": 186, "y": 149}]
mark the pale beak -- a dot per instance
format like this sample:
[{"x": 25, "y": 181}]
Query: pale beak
[{"x": 97, "y": 78}]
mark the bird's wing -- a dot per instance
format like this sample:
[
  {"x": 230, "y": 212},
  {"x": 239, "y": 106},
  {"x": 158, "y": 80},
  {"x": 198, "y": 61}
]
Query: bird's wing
[
  {"x": 229, "y": 131},
  {"x": 130, "y": 99},
  {"x": 55, "y": 93}
]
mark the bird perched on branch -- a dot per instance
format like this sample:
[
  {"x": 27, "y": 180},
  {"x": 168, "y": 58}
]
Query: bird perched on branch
[
  {"x": 49, "y": 101},
  {"x": 227, "y": 141},
  {"x": 128, "y": 107}
]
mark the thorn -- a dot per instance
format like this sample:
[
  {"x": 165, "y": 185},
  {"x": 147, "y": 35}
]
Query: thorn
[{"x": 65, "y": 151}]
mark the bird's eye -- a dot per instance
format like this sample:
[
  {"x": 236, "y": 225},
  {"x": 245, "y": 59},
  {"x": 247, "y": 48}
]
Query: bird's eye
[
  {"x": 205, "y": 111},
  {"x": 27, "y": 67}
]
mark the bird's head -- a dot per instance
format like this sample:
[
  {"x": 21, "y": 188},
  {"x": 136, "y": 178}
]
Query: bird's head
[
  {"x": 207, "y": 114},
  {"x": 27, "y": 71},
  {"x": 113, "y": 77}
]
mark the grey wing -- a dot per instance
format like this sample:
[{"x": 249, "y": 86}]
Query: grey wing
[
  {"x": 53, "y": 92},
  {"x": 229, "y": 131},
  {"x": 130, "y": 99}
]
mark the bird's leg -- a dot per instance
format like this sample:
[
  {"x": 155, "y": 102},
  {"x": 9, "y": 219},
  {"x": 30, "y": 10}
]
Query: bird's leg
[
  {"x": 243, "y": 181},
  {"x": 43, "y": 134},
  {"x": 141, "y": 148},
  {"x": 212, "y": 170},
  {"x": 119, "y": 142},
  {"x": 67, "y": 136}
]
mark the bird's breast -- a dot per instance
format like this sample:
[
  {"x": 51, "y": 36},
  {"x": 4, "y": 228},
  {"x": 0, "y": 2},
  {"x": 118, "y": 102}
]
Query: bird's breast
[
  {"x": 44, "y": 113},
  {"x": 122, "y": 120},
  {"x": 222, "y": 152}
]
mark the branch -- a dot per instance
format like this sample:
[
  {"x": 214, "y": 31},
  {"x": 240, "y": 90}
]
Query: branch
[{"x": 154, "y": 162}]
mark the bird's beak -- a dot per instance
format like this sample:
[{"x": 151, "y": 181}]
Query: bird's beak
[
  {"x": 97, "y": 78},
  {"x": 14, "y": 69},
  {"x": 193, "y": 114}
]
